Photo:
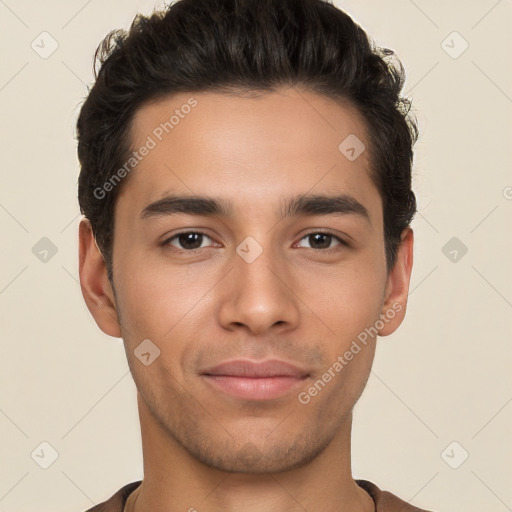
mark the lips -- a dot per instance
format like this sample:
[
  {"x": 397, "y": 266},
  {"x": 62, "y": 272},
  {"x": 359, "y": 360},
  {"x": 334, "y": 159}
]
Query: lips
[
  {"x": 255, "y": 380},
  {"x": 241, "y": 368}
]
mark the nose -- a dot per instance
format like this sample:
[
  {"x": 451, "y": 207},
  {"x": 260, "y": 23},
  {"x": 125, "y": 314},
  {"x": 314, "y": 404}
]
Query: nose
[{"x": 259, "y": 297}]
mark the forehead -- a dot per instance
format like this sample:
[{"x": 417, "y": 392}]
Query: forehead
[{"x": 248, "y": 149}]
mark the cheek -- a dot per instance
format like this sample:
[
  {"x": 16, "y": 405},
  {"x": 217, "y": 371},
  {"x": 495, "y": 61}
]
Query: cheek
[
  {"x": 349, "y": 304},
  {"x": 348, "y": 298},
  {"x": 348, "y": 301},
  {"x": 170, "y": 307},
  {"x": 153, "y": 298}
]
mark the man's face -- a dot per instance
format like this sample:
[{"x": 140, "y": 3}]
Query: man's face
[{"x": 251, "y": 284}]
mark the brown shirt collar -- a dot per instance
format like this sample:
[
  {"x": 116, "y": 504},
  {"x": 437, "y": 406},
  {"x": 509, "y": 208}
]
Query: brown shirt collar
[{"x": 384, "y": 500}]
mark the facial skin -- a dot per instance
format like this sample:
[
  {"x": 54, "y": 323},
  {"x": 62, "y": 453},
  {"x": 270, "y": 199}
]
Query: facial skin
[{"x": 297, "y": 302}]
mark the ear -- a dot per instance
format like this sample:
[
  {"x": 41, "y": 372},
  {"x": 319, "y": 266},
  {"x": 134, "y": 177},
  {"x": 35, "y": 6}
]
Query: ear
[
  {"x": 96, "y": 288},
  {"x": 397, "y": 288}
]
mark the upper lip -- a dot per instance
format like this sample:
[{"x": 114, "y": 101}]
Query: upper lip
[{"x": 255, "y": 369}]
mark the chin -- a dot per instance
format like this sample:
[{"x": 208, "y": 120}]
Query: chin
[{"x": 249, "y": 458}]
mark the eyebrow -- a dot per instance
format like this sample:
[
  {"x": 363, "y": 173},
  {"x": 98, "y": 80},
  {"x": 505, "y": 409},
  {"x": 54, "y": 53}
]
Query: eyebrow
[{"x": 306, "y": 205}]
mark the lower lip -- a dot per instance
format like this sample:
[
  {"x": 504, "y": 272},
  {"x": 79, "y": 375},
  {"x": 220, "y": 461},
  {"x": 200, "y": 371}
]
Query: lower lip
[{"x": 262, "y": 388}]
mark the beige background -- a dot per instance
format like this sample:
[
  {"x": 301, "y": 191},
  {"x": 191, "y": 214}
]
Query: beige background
[{"x": 443, "y": 377}]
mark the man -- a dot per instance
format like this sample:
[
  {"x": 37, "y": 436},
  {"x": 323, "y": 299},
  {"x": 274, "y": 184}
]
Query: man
[{"x": 246, "y": 185}]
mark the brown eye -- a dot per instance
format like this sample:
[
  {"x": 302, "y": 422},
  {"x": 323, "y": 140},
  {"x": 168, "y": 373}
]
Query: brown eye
[
  {"x": 188, "y": 241},
  {"x": 321, "y": 241}
]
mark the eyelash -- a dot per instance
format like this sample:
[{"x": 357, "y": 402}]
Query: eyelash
[{"x": 168, "y": 241}]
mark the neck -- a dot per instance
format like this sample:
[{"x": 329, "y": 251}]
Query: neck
[{"x": 176, "y": 481}]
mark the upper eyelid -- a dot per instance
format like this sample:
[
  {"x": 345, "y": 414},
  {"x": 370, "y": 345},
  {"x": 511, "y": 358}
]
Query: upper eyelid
[{"x": 186, "y": 231}]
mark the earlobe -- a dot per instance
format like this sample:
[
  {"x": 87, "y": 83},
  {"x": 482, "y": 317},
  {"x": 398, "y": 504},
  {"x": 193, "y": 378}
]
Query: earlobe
[
  {"x": 397, "y": 288},
  {"x": 96, "y": 288}
]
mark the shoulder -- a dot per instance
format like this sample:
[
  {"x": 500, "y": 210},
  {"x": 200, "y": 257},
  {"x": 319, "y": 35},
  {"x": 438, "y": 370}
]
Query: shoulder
[
  {"x": 116, "y": 502},
  {"x": 386, "y": 501}
]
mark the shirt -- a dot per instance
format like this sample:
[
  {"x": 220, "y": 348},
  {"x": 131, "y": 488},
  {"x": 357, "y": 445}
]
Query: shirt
[{"x": 384, "y": 501}]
